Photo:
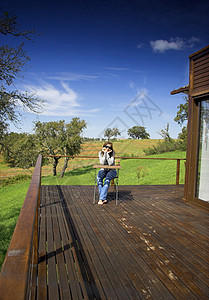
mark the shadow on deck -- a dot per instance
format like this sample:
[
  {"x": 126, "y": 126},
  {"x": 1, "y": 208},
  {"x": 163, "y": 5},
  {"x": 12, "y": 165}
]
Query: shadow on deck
[{"x": 152, "y": 245}]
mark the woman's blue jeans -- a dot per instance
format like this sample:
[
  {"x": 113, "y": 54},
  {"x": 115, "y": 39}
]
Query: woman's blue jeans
[{"x": 103, "y": 188}]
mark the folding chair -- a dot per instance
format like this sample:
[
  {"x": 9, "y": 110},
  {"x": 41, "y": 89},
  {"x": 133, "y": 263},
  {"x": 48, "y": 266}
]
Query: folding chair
[{"x": 114, "y": 182}]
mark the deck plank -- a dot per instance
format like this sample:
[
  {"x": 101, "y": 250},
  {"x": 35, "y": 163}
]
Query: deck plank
[
  {"x": 42, "y": 266},
  {"x": 114, "y": 270},
  {"x": 75, "y": 289},
  {"x": 119, "y": 246},
  {"x": 189, "y": 246},
  {"x": 53, "y": 287},
  {"x": 155, "y": 248},
  {"x": 92, "y": 257},
  {"x": 62, "y": 275},
  {"x": 152, "y": 245}
]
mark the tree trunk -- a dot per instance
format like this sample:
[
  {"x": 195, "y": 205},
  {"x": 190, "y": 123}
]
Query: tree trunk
[
  {"x": 64, "y": 167},
  {"x": 55, "y": 163}
]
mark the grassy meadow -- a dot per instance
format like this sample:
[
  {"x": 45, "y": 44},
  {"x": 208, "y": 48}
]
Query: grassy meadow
[
  {"x": 133, "y": 172},
  {"x": 80, "y": 172},
  {"x": 121, "y": 147}
]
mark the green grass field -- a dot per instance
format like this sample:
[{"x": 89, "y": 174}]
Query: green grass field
[
  {"x": 11, "y": 199},
  {"x": 133, "y": 172},
  {"x": 121, "y": 147}
]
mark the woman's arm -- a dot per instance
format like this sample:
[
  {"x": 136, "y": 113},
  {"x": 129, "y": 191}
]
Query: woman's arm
[
  {"x": 102, "y": 157},
  {"x": 111, "y": 158}
]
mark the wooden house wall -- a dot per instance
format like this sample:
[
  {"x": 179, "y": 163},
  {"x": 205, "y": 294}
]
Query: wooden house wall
[
  {"x": 198, "y": 90},
  {"x": 199, "y": 71}
]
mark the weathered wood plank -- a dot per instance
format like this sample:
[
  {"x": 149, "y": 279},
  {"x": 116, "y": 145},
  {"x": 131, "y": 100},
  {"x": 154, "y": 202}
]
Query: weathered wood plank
[
  {"x": 42, "y": 265},
  {"x": 78, "y": 258},
  {"x": 53, "y": 287},
  {"x": 202, "y": 60},
  {"x": 121, "y": 249},
  {"x": 58, "y": 247},
  {"x": 93, "y": 262},
  {"x": 115, "y": 271},
  {"x": 74, "y": 284},
  {"x": 148, "y": 233},
  {"x": 152, "y": 245}
]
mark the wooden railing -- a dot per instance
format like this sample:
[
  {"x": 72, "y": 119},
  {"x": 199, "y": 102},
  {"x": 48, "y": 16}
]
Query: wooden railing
[
  {"x": 16, "y": 278},
  {"x": 178, "y": 160}
]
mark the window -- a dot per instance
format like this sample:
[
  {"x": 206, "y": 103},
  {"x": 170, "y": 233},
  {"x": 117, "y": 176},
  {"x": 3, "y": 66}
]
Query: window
[{"x": 202, "y": 190}]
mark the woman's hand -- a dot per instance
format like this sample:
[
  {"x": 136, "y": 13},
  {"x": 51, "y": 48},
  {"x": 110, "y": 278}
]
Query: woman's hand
[{"x": 107, "y": 150}]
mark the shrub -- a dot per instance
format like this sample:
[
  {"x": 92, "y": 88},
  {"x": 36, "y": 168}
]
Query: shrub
[
  {"x": 141, "y": 172},
  {"x": 125, "y": 154},
  {"x": 165, "y": 146},
  {"x": 13, "y": 180}
]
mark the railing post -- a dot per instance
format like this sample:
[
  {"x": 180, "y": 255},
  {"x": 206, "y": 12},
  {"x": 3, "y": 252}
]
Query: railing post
[{"x": 177, "y": 171}]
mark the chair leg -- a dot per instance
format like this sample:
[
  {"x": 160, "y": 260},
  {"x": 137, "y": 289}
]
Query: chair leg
[
  {"x": 114, "y": 182},
  {"x": 116, "y": 190},
  {"x": 116, "y": 200},
  {"x": 95, "y": 187}
]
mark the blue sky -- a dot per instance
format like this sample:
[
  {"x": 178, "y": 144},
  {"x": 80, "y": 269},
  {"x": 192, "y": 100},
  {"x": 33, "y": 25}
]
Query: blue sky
[{"x": 112, "y": 63}]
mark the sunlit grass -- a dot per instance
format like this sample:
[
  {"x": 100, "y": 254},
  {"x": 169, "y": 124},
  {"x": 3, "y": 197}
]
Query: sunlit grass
[
  {"x": 152, "y": 172},
  {"x": 133, "y": 172},
  {"x": 121, "y": 147},
  {"x": 11, "y": 201}
]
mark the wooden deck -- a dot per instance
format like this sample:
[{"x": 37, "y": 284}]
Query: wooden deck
[{"x": 151, "y": 246}]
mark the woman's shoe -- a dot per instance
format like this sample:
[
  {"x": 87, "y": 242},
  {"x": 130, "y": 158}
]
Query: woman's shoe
[{"x": 100, "y": 202}]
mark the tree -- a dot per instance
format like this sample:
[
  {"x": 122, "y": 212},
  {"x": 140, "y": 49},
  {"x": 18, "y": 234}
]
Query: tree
[
  {"x": 182, "y": 143},
  {"x": 181, "y": 117},
  {"x": 13, "y": 60},
  {"x": 165, "y": 133},
  {"x": 167, "y": 145},
  {"x": 111, "y": 132},
  {"x": 182, "y": 113},
  {"x": 138, "y": 132},
  {"x": 60, "y": 138},
  {"x": 71, "y": 140},
  {"x": 48, "y": 137},
  {"x": 115, "y": 132},
  {"x": 108, "y": 133},
  {"x": 19, "y": 150}
]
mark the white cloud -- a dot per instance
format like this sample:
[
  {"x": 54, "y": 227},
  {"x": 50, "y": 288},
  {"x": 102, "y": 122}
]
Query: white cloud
[
  {"x": 117, "y": 68},
  {"x": 59, "y": 102},
  {"x": 131, "y": 84},
  {"x": 163, "y": 45},
  {"x": 193, "y": 41},
  {"x": 68, "y": 76},
  {"x": 173, "y": 44},
  {"x": 140, "y": 45}
]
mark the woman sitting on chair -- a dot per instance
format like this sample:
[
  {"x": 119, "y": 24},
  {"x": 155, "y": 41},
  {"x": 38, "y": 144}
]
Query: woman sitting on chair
[{"x": 106, "y": 157}]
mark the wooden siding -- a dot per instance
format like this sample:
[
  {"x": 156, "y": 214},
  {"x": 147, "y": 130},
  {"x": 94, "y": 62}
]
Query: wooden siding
[
  {"x": 201, "y": 72},
  {"x": 199, "y": 83}
]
